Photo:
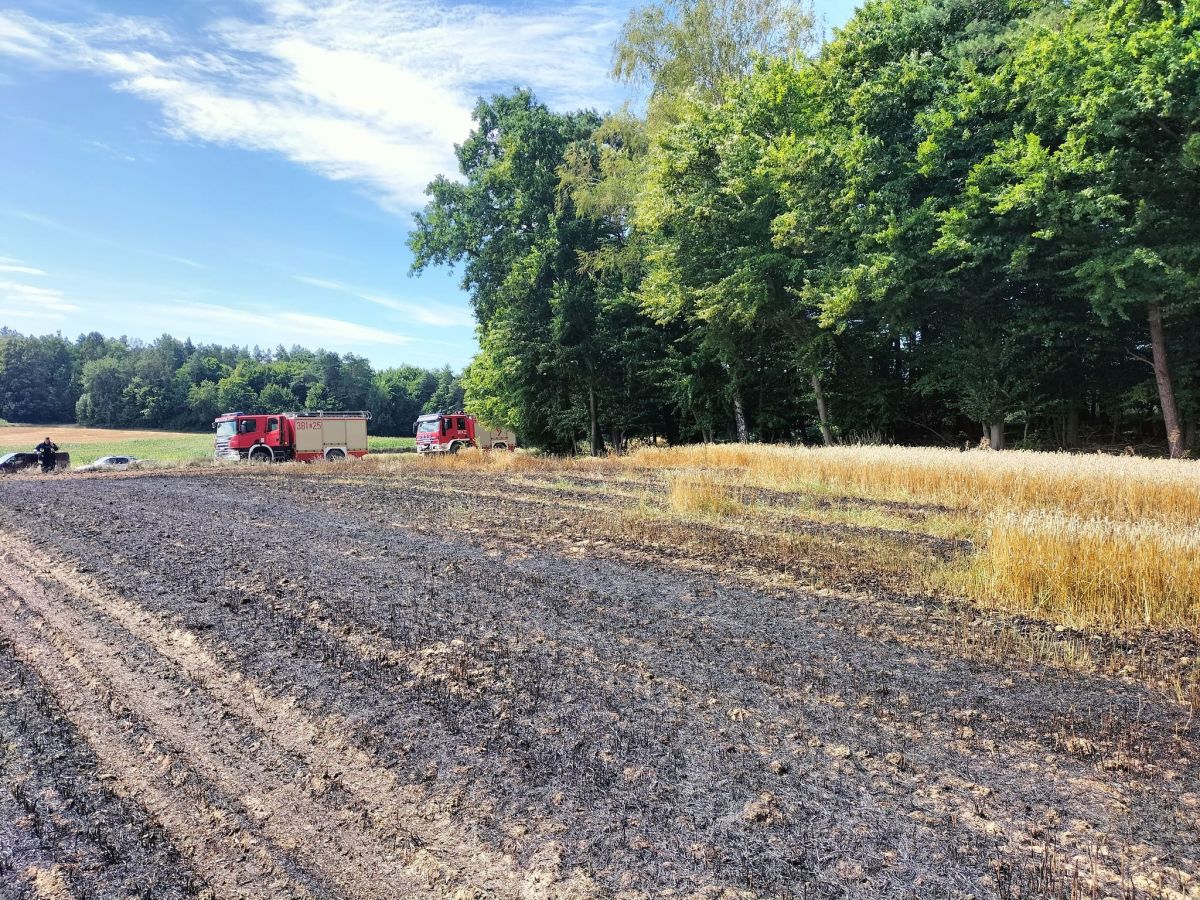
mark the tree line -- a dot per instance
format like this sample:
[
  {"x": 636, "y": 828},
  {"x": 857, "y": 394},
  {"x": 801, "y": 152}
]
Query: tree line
[
  {"x": 168, "y": 383},
  {"x": 955, "y": 219}
]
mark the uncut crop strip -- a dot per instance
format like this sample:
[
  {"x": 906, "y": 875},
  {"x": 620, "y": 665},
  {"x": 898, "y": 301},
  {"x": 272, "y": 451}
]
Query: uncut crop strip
[
  {"x": 1093, "y": 486},
  {"x": 1086, "y": 572},
  {"x": 1122, "y": 488}
]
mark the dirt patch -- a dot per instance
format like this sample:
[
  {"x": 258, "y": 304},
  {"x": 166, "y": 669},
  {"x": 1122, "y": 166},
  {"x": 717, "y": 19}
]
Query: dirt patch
[{"x": 354, "y": 689}]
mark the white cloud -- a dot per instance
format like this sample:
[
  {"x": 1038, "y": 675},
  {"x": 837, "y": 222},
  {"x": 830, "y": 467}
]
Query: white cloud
[
  {"x": 321, "y": 283},
  {"x": 374, "y": 92},
  {"x": 103, "y": 240},
  {"x": 17, "y": 39},
  {"x": 34, "y": 218},
  {"x": 272, "y": 327},
  {"x": 439, "y": 315},
  {"x": 10, "y": 266},
  {"x": 33, "y": 302},
  {"x": 110, "y": 151}
]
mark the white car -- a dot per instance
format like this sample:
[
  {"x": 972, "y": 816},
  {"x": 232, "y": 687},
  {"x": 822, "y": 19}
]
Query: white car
[{"x": 111, "y": 463}]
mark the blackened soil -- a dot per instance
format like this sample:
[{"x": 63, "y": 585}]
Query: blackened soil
[{"x": 553, "y": 717}]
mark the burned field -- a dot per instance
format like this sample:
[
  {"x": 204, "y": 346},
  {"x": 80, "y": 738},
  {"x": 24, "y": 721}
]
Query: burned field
[{"x": 424, "y": 682}]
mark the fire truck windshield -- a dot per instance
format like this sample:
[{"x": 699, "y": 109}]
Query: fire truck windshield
[
  {"x": 427, "y": 427},
  {"x": 227, "y": 429}
]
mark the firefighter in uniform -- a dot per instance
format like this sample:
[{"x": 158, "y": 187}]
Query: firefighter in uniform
[{"x": 46, "y": 451}]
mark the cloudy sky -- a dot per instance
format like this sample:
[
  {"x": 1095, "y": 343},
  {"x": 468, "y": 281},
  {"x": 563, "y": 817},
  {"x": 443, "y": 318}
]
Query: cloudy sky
[{"x": 244, "y": 171}]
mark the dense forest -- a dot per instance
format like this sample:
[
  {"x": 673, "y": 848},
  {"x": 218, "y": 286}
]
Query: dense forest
[
  {"x": 954, "y": 219},
  {"x": 170, "y": 383}
]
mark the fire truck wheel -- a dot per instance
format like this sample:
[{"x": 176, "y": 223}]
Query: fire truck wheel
[
  {"x": 335, "y": 456},
  {"x": 455, "y": 447},
  {"x": 260, "y": 455}
]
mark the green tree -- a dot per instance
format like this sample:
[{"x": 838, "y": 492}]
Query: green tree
[
  {"x": 708, "y": 211},
  {"x": 1098, "y": 173},
  {"x": 520, "y": 244},
  {"x": 398, "y": 397},
  {"x": 236, "y": 394},
  {"x": 276, "y": 398},
  {"x": 36, "y": 379},
  {"x": 681, "y": 47},
  {"x": 103, "y": 400},
  {"x": 863, "y": 206},
  {"x": 447, "y": 394},
  {"x": 204, "y": 403}
]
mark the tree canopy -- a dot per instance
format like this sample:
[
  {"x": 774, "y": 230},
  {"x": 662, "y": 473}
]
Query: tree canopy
[{"x": 956, "y": 218}]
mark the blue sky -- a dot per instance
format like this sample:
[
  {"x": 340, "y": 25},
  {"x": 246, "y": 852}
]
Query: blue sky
[{"x": 244, "y": 171}]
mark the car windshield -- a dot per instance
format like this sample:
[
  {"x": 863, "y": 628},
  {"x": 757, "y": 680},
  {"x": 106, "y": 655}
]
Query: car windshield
[
  {"x": 227, "y": 429},
  {"x": 427, "y": 427},
  {"x": 7, "y": 457}
]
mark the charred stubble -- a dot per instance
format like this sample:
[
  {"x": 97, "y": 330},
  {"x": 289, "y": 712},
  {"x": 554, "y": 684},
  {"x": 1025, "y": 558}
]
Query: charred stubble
[{"x": 519, "y": 719}]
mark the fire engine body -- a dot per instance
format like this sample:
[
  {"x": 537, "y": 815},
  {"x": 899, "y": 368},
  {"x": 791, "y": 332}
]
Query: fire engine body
[
  {"x": 304, "y": 436},
  {"x": 451, "y": 432}
]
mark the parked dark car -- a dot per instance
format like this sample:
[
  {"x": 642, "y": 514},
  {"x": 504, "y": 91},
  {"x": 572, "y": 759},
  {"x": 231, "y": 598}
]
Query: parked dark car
[{"x": 16, "y": 462}]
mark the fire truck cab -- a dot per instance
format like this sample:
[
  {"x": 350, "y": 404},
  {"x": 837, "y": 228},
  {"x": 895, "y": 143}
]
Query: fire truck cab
[{"x": 450, "y": 432}]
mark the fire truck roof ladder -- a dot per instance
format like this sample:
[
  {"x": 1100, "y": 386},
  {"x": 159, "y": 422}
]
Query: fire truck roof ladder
[{"x": 321, "y": 414}]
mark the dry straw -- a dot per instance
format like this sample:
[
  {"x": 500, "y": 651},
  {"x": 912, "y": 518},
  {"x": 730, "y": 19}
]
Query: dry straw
[
  {"x": 1085, "y": 540},
  {"x": 1119, "y": 488},
  {"x": 1091, "y": 571},
  {"x": 703, "y": 495}
]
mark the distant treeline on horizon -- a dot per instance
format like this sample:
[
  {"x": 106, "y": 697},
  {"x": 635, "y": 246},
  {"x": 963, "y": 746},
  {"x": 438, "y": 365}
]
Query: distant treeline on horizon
[{"x": 167, "y": 383}]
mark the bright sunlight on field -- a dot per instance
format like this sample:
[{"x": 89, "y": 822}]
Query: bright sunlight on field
[
  {"x": 88, "y": 444},
  {"x": 1085, "y": 540}
]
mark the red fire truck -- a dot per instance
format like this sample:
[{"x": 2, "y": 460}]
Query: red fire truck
[
  {"x": 304, "y": 436},
  {"x": 450, "y": 432}
]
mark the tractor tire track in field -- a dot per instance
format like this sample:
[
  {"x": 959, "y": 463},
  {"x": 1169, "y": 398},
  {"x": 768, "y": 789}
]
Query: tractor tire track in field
[
  {"x": 114, "y": 711},
  {"x": 64, "y": 831},
  {"x": 471, "y": 721},
  {"x": 270, "y": 767}
]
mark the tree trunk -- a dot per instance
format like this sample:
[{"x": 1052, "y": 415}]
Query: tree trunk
[
  {"x": 996, "y": 436},
  {"x": 739, "y": 417},
  {"x": 1162, "y": 374},
  {"x": 1071, "y": 428},
  {"x": 1190, "y": 435},
  {"x": 822, "y": 411},
  {"x": 596, "y": 440}
]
